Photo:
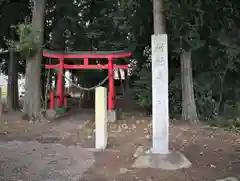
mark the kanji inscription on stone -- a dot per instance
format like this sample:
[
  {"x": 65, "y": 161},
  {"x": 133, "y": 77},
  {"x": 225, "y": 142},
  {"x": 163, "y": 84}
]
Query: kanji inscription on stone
[{"x": 160, "y": 115}]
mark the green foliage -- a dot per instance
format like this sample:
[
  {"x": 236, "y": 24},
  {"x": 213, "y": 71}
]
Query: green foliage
[
  {"x": 185, "y": 19},
  {"x": 208, "y": 28},
  {"x": 27, "y": 44},
  {"x": 11, "y": 13},
  {"x": 233, "y": 124},
  {"x": 86, "y": 25},
  {"x": 206, "y": 104},
  {"x": 210, "y": 31},
  {"x": 143, "y": 89}
]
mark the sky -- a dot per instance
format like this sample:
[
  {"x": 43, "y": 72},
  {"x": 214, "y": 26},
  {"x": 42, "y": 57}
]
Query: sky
[{"x": 3, "y": 82}]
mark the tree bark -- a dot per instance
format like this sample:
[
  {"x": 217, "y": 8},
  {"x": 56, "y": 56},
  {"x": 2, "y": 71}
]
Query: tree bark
[
  {"x": 159, "y": 17},
  {"x": 32, "y": 101},
  {"x": 189, "y": 111},
  {"x": 12, "y": 87}
]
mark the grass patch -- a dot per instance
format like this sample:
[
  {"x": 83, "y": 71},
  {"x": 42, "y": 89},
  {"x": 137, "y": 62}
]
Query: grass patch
[{"x": 232, "y": 124}]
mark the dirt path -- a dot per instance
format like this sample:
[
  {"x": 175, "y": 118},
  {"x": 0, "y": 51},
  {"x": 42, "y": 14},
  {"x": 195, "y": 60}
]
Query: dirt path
[
  {"x": 33, "y": 161},
  {"x": 33, "y": 152}
]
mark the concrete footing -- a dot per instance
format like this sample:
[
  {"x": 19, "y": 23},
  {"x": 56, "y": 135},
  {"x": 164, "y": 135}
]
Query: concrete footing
[
  {"x": 51, "y": 114},
  {"x": 112, "y": 117},
  {"x": 170, "y": 161},
  {"x": 228, "y": 179}
]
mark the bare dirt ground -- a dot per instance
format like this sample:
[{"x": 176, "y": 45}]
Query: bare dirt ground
[{"x": 214, "y": 152}]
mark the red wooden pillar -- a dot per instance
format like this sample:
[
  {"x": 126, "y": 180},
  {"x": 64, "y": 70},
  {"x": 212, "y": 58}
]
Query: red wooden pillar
[
  {"x": 85, "y": 61},
  {"x": 65, "y": 102},
  {"x": 52, "y": 100},
  {"x": 60, "y": 82},
  {"x": 111, "y": 96}
]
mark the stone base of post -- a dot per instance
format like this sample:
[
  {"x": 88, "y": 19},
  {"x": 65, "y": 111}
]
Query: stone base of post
[
  {"x": 112, "y": 116},
  {"x": 169, "y": 161}
]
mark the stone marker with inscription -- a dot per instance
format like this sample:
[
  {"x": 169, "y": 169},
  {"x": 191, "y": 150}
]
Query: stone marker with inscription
[
  {"x": 160, "y": 114},
  {"x": 160, "y": 156}
]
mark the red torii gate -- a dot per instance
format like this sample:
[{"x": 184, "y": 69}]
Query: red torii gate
[{"x": 85, "y": 55}]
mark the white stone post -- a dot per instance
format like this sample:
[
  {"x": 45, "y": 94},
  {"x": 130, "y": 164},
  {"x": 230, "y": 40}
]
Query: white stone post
[
  {"x": 160, "y": 110},
  {"x": 1, "y": 103},
  {"x": 1, "y": 94},
  {"x": 160, "y": 156},
  {"x": 101, "y": 118}
]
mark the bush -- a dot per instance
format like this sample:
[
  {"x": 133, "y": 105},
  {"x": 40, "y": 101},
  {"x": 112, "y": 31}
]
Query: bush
[{"x": 142, "y": 88}]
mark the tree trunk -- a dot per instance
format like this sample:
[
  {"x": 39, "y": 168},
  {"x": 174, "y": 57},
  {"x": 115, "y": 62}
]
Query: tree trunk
[
  {"x": 159, "y": 17},
  {"x": 12, "y": 87},
  {"x": 43, "y": 85},
  {"x": 189, "y": 111},
  {"x": 32, "y": 102}
]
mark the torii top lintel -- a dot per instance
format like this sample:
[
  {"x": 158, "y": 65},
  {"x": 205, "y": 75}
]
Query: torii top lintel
[{"x": 87, "y": 54}]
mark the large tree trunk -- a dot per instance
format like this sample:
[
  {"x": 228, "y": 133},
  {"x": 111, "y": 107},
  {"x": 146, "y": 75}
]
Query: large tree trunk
[
  {"x": 12, "y": 87},
  {"x": 32, "y": 101},
  {"x": 159, "y": 17},
  {"x": 43, "y": 85},
  {"x": 189, "y": 111}
]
